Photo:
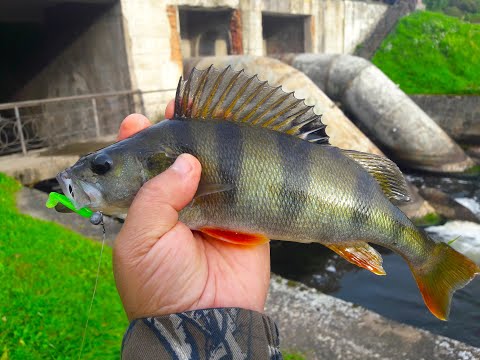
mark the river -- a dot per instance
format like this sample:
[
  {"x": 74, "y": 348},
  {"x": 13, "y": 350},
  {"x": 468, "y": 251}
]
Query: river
[{"x": 396, "y": 295}]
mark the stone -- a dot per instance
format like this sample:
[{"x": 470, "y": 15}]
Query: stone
[{"x": 323, "y": 327}]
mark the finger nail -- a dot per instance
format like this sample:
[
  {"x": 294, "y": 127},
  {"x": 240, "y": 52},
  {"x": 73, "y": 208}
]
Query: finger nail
[{"x": 181, "y": 165}]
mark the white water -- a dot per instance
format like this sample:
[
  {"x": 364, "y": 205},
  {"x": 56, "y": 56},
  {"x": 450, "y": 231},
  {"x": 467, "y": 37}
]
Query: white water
[
  {"x": 469, "y": 241},
  {"x": 470, "y": 204}
]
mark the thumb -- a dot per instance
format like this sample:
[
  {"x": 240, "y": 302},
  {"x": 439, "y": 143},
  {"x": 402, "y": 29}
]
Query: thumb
[{"x": 154, "y": 210}]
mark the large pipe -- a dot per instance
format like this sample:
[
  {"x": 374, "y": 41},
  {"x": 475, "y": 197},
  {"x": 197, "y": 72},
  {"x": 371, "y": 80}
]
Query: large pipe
[
  {"x": 343, "y": 133},
  {"x": 388, "y": 115}
]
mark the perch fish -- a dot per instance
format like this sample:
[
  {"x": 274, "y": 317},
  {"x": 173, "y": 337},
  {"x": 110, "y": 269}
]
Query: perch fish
[{"x": 269, "y": 172}]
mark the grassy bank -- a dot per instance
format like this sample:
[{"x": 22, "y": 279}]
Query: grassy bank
[
  {"x": 47, "y": 275},
  {"x": 431, "y": 53}
]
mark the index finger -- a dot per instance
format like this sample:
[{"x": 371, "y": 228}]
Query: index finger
[
  {"x": 136, "y": 122},
  {"x": 131, "y": 125}
]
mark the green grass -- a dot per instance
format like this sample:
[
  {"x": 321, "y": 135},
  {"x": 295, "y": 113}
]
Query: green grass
[
  {"x": 293, "y": 356},
  {"x": 47, "y": 275},
  {"x": 431, "y": 53}
]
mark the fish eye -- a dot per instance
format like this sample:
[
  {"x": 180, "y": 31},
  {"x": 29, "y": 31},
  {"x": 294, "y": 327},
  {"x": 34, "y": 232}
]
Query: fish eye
[{"x": 101, "y": 163}]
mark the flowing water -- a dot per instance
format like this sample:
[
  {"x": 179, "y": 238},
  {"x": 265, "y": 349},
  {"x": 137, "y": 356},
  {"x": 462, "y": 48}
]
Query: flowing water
[{"x": 396, "y": 295}]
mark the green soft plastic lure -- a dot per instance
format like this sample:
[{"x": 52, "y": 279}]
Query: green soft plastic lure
[{"x": 55, "y": 198}]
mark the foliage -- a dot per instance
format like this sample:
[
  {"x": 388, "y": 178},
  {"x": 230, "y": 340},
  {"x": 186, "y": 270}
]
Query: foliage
[
  {"x": 473, "y": 18},
  {"x": 431, "y": 53},
  {"x": 292, "y": 356},
  {"x": 453, "y": 11},
  {"x": 463, "y": 9},
  {"x": 47, "y": 274},
  {"x": 436, "y": 4}
]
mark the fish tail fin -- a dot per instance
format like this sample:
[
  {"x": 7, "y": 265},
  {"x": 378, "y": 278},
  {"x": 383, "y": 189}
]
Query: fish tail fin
[{"x": 438, "y": 278}]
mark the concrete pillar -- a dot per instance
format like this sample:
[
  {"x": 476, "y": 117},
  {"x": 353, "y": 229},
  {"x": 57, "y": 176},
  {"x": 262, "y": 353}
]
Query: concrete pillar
[
  {"x": 251, "y": 13},
  {"x": 333, "y": 12},
  {"x": 312, "y": 34},
  {"x": 153, "y": 50},
  {"x": 236, "y": 32}
]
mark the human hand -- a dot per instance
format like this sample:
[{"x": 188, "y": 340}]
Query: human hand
[{"x": 162, "y": 267}]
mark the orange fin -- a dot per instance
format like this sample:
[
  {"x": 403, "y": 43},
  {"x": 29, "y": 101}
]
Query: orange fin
[
  {"x": 235, "y": 237},
  {"x": 361, "y": 254},
  {"x": 446, "y": 271}
]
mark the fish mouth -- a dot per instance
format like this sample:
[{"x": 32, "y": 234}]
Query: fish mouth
[{"x": 80, "y": 193}]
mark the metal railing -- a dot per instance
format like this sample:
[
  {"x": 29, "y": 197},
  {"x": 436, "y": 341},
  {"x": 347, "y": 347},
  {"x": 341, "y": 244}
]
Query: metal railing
[{"x": 34, "y": 124}]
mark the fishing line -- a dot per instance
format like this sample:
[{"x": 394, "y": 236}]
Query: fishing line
[{"x": 96, "y": 218}]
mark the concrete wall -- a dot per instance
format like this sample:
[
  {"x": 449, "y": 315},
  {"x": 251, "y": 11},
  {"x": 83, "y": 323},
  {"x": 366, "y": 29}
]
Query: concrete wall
[
  {"x": 384, "y": 26},
  {"x": 360, "y": 19},
  {"x": 94, "y": 62},
  {"x": 342, "y": 25},
  {"x": 459, "y": 116},
  {"x": 335, "y": 26},
  {"x": 153, "y": 50},
  {"x": 136, "y": 44}
]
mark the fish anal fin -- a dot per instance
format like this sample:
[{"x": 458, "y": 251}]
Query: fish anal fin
[
  {"x": 361, "y": 254},
  {"x": 446, "y": 271},
  {"x": 234, "y": 96},
  {"x": 235, "y": 237},
  {"x": 385, "y": 172}
]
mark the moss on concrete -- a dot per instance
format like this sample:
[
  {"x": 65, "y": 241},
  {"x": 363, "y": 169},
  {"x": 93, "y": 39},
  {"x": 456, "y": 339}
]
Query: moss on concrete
[
  {"x": 430, "y": 219},
  {"x": 473, "y": 171}
]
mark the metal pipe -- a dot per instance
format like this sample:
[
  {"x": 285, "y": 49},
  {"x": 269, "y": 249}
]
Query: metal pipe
[{"x": 389, "y": 116}]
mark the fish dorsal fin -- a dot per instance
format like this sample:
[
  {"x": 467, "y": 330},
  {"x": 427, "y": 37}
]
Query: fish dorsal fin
[
  {"x": 385, "y": 171},
  {"x": 234, "y": 96}
]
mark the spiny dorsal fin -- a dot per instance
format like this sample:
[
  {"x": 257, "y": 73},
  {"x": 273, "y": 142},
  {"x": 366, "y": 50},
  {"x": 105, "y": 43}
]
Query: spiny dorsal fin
[
  {"x": 385, "y": 171},
  {"x": 234, "y": 96}
]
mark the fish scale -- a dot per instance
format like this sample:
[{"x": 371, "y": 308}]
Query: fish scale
[{"x": 269, "y": 172}]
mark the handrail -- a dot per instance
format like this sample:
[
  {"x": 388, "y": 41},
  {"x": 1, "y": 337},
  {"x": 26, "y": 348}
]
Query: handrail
[
  {"x": 27, "y": 103},
  {"x": 16, "y": 130}
]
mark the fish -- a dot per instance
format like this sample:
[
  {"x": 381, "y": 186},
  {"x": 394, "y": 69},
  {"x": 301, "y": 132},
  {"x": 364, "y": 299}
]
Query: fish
[{"x": 270, "y": 172}]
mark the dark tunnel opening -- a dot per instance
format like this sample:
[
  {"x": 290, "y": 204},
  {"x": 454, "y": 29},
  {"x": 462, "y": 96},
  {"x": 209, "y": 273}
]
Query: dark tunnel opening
[{"x": 33, "y": 33}]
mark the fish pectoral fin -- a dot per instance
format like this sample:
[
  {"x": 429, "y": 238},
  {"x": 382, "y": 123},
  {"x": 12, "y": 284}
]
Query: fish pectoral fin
[
  {"x": 361, "y": 254},
  {"x": 207, "y": 189},
  {"x": 235, "y": 237},
  {"x": 385, "y": 172}
]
